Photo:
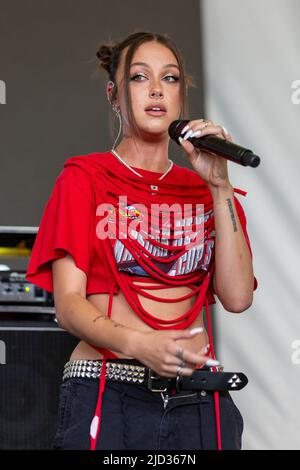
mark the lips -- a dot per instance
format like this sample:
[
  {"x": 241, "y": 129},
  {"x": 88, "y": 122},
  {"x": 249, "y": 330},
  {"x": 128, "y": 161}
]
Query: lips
[
  {"x": 156, "y": 110},
  {"x": 155, "y": 107},
  {"x": 155, "y": 113}
]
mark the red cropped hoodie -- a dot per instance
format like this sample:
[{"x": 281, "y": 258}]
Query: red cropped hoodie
[{"x": 111, "y": 222}]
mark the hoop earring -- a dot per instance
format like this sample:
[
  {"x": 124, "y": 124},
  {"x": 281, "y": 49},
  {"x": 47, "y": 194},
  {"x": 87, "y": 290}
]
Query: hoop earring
[{"x": 116, "y": 110}]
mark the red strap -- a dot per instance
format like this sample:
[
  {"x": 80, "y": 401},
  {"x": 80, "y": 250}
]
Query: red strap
[
  {"x": 216, "y": 393},
  {"x": 218, "y": 419},
  {"x": 105, "y": 352},
  {"x": 96, "y": 422}
]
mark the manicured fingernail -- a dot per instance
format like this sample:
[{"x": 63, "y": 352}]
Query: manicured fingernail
[
  {"x": 196, "y": 134},
  {"x": 225, "y": 130},
  {"x": 211, "y": 363},
  {"x": 180, "y": 139},
  {"x": 196, "y": 330},
  {"x": 188, "y": 134},
  {"x": 185, "y": 129}
]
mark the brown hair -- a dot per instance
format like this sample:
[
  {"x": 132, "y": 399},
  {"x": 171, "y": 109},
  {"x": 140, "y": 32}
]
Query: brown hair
[{"x": 109, "y": 57}]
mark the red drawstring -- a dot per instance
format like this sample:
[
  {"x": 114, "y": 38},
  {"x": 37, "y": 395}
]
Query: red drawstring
[
  {"x": 96, "y": 421},
  {"x": 183, "y": 322},
  {"x": 216, "y": 393}
]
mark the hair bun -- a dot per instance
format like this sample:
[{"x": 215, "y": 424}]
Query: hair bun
[{"x": 105, "y": 54}]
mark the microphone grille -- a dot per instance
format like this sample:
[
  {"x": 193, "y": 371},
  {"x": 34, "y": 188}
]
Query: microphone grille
[{"x": 175, "y": 128}]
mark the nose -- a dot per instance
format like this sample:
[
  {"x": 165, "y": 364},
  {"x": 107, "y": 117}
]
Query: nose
[{"x": 155, "y": 94}]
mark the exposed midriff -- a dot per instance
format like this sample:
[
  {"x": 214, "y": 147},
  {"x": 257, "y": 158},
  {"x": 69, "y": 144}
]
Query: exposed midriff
[{"x": 122, "y": 313}]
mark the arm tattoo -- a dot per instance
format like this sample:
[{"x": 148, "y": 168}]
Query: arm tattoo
[
  {"x": 232, "y": 214},
  {"x": 102, "y": 317}
]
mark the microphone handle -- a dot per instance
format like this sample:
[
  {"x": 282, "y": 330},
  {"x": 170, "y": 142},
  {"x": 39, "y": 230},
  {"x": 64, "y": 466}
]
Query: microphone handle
[{"x": 226, "y": 149}]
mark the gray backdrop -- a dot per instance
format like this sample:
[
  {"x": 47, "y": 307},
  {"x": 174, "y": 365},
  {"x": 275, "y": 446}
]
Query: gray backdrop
[{"x": 251, "y": 60}]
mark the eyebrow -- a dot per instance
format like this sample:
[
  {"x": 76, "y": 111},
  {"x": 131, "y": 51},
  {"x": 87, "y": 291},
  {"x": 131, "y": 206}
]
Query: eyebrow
[{"x": 146, "y": 65}]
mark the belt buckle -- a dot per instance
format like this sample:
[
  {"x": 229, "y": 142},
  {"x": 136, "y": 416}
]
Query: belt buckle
[{"x": 150, "y": 379}]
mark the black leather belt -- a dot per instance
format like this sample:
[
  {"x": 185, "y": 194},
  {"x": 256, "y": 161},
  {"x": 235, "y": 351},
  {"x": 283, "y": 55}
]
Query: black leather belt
[
  {"x": 200, "y": 380},
  {"x": 134, "y": 372}
]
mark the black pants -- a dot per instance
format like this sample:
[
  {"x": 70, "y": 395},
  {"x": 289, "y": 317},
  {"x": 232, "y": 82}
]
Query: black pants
[{"x": 134, "y": 418}]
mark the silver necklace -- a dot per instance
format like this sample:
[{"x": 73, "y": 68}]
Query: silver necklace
[{"x": 138, "y": 174}]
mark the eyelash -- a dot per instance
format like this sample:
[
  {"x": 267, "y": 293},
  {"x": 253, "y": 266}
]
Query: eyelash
[{"x": 168, "y": 76}]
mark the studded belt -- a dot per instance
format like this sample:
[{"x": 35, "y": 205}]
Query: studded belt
[{"x": 131, "y": 371}]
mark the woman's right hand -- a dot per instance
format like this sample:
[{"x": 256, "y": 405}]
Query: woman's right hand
[{"x": 159, "y": 351}]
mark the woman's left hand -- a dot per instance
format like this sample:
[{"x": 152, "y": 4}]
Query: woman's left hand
[{"x": 211, "y": 167}]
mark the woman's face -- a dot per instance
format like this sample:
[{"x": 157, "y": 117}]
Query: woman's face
[{"x": 155, "y": 83}]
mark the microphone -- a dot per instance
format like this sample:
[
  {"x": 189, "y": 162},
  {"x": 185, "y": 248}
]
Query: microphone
[{"x": 214, "y": 144}]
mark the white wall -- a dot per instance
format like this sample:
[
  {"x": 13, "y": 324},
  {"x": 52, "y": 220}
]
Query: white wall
[{"x": 251, "y": 59}]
